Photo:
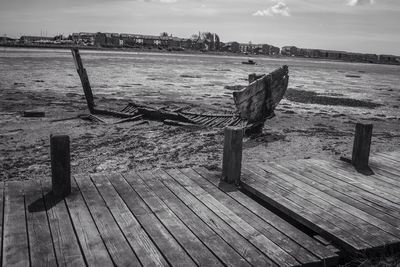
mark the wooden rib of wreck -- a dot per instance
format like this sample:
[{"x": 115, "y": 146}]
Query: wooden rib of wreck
[{"x": 255, "y": 103}]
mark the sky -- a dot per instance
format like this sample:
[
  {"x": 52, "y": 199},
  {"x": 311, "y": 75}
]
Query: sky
[{"x": 368, "y": 26}]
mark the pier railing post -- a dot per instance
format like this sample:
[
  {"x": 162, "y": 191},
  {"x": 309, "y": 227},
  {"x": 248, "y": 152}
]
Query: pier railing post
[
  {"x": 232, "y": 158},
  {"x": 361, "y": 147},
  {"x": 60, "y": 165}
]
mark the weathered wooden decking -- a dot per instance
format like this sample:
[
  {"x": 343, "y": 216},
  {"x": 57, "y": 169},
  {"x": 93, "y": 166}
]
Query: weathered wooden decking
[
  {"x": 173, "y": 217},
  {"x": 357, "y": 212}
]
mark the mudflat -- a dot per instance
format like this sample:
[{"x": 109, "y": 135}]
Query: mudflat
[{"x": 316, "y": 119}]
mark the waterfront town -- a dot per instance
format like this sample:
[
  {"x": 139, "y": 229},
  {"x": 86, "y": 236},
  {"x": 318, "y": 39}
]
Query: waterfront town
[{"x": 203, "y": 41}]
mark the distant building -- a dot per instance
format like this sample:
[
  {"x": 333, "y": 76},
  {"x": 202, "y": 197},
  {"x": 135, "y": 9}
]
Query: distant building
[
  {"x": 289, "y": 51},
  {"x": 274, "y": 50},
  {"x": 231, "y": 47},
  {"x": 7, "y": 40},
  {"x": 26, "y": 39},
  {"x": 388, "y": 59},
  {"x": 84, "y": 38},
  {"x": 246, "y": 48}
]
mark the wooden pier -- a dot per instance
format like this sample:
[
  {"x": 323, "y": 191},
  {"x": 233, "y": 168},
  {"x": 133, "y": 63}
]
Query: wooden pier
[
  {"x": 360, "y": 213},
  {"x": 166, "y": 217},
  {"x": 295, "y": 213}
]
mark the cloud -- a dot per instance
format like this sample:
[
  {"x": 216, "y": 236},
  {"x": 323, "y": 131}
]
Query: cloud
[
  {"x": 280, "y": 8},
  {"x": 359, "y": 2}
]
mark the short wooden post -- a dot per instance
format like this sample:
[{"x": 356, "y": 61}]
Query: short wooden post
[
  {"x": 361, "y": 147},
  {"x": 232, "y": 158},
  {"x": 87, "y": 89},
  {"x": 252, "y": 77},
  {"x": 60, "y": 165}
]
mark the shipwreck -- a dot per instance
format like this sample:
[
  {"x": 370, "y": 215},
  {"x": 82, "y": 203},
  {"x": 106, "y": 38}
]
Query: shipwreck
[{"x": 254, "y": 104}]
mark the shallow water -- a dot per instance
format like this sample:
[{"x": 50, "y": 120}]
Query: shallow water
[{"x": 131, "y": 75}]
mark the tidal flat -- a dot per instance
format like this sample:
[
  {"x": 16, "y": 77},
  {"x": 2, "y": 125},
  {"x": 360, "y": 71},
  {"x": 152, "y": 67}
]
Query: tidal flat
[{"x": 316, "y": 119}]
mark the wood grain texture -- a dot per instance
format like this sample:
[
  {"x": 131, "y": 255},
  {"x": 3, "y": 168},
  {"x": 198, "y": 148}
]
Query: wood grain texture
[
  {"x": 280, "y": 224},
  {"x": 163, "y": 239},
  {"x": 65, "y": 242},
  {"x": 192, "y": 245},
  {"x": 40, "y": 239},
  {"x": 93, "y": 248},
  {"x": 212, "y": 240},
  {"x": 237, "y": 241},
  {"x": 118, "y": 248},
  {"x": 232, "y": 157},
  {"x": 15, "y": 235},
  {"x": 138, "y": 239}
]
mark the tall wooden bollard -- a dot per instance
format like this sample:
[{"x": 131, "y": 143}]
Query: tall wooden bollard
[
  {"x": 361, "y": 147},
  {"x": 60, "y": 165},
  {"x": 232, "y": 158}
]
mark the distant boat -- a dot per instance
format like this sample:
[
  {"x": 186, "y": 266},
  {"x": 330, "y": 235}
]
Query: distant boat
[{"x": 249, "y": 62}]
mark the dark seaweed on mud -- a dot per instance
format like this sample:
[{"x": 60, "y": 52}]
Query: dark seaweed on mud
[{"x": 310, "y": 97}]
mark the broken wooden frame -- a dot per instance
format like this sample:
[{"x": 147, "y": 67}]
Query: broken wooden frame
[{"x": 255, "y": 103}]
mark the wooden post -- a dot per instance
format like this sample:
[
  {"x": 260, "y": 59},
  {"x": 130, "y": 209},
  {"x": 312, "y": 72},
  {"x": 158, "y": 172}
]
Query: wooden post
[
  {"x": 232, "y": 158},
  {"x": 252, "y": 77},
  {"x": 361, "y": 148},
  {"x": 87, "y": 89},
  {"x": 60, "y": 165}
]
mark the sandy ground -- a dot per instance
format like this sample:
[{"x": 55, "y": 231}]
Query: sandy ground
[{"x": 97, "y": 147}]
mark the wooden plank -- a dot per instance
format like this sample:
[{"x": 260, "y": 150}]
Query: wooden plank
[
  {"x": 192, "y": 245},
  {"x": 257, "y": 101},
  {"x": 312, "y": 199},
  {"x": 385, "y": 181},
  {"x": 1, "y": 218},
  {"x": 394, "y": 155},
  {"x": 118, "y": 248},
  {"x": 211, "y": 121},
  {"x": 344, "y": 171},
  {"x": 163, "y": 239},
  {"x": 213, "y": 241},
  {"x": 15, "y": 236},
  {"x": 138, "y": 239},
  {"x": 386, "y": 165},
  {"x": 346, "y": 193},
  {"x": 242, "y": 226},
  {"x": 367, "y": 222},
  {"x": 94, "y": 250},
  {"x": 284, "y": 242},
  {"x": 40, "y": 239},
  {"x": 360, "y": 191},
  {"x": 298, "y": 236},
  {"x": 65, "y": 242},
  {"x": 313, "y": 219},
  {"x": 237, "y": 241}
]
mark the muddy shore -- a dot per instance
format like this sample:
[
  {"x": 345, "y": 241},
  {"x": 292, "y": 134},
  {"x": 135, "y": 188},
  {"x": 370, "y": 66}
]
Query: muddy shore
[{"x": 298, "y": 131}]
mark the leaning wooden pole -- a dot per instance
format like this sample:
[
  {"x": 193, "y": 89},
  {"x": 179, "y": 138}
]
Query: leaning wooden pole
[
  {"x": 60, "y": 165},
  {"x": 84, "y": 79},
  {"x": 232, "y": 158}
]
